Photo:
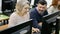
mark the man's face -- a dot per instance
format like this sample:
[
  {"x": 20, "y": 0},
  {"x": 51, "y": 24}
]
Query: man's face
[{"x": 41, "y": 7}]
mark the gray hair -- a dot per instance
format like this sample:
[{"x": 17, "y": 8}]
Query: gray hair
[{"x": 20, "y": 4}]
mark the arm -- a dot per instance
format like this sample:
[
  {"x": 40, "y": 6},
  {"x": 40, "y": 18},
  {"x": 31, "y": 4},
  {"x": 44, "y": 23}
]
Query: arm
[
  {"x": 35, "y": 23},
  {"x": 12, "y": 21}
]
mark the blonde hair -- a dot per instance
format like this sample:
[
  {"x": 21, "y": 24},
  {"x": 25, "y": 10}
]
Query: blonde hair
[{"x": 20, "y": 4}]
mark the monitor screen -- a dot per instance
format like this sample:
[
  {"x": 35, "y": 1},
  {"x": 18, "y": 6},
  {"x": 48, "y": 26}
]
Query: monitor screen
[{"x": 51, "y": 17}]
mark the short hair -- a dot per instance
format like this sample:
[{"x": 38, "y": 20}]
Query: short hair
[
  {"x": 20, "y": 4},
  {"x": 43, "y": 2}
]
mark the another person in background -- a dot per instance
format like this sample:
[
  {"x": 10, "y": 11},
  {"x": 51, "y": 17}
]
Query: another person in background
[
  {"x": 54, "y": 6},
  {"x": 37, "y": 13}
]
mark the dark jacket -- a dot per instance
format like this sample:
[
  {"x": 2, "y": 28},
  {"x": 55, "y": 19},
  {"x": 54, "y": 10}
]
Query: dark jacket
[{"x": 36, "y": 17}]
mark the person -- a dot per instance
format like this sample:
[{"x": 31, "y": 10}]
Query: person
[
  {"x": 20, "y": 15},
  {"x": 54, "y": 6},
  {"x": 37, "y": 13}
]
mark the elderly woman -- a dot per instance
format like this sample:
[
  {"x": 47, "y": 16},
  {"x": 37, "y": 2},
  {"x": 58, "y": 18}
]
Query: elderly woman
[{"x": 21, "y": 14}]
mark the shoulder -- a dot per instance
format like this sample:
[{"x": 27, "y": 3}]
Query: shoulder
[
  {"x": 13, "y": 15},
  {"x": 32, "y": 11}
]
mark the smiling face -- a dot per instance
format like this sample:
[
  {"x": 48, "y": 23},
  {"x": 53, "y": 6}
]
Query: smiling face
[{"x": 41, "y": 8}]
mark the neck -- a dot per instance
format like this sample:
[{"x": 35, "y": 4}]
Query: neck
[{"x": 37, "y": 9}]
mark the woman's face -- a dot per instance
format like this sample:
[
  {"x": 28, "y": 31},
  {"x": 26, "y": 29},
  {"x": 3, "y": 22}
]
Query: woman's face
[{"x": 25, "y": 9}]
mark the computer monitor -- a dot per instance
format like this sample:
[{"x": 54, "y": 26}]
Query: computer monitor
[
  {"x": 58, "y": 25},
  {"x": 51, "y": 20},
  {"x": 51, "y": 17},
  {"x": 24, "y": 28}
]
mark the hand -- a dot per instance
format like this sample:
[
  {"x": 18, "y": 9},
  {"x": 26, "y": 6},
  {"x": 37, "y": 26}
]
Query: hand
[{"x": 35, "y": 30}]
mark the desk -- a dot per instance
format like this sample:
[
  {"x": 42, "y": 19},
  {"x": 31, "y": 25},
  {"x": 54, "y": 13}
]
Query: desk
[
  {"x": 3, "y": 27},
  {"x": 3, "y": 18}
]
